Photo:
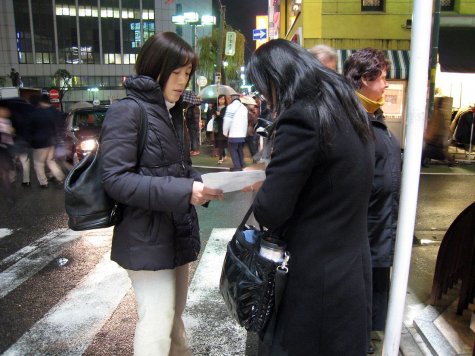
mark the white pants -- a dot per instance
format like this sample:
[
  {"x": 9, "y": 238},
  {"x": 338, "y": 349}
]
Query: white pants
[
  {"x": 161, "y": 298},
  {"x": 42, "y": 156},
  {"x": 24, "y": 159}
]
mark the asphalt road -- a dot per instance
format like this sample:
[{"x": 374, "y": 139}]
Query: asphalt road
[{"x": 37, "y": 292}]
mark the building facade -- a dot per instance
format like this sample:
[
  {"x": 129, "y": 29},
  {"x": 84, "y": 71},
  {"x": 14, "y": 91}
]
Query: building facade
[
  {"x": 96, "y": 41},
  {"x": 347, "y": 25}
]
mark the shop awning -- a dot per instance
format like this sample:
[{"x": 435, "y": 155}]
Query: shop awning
[
  {"x": 456, "y": 49},
  {"x": 399, "y": 62}
]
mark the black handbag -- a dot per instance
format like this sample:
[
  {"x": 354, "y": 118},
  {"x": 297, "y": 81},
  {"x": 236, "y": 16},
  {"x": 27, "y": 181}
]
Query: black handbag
[
  {"x": 87, "y": 204},
  {"x": 250, "y": 284}
]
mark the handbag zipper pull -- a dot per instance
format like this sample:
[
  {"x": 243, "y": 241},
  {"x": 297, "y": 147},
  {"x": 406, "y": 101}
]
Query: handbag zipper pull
[{"x": 283, "y": 266}]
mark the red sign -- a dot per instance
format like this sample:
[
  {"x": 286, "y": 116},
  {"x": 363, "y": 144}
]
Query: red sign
[{"x": 53, "y": 94}]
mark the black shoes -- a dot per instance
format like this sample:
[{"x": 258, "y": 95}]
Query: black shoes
[
  {"x": 26, "y": 184},
  {"x": 370, "y": 348},
  {"x": 44, "y": 186}
]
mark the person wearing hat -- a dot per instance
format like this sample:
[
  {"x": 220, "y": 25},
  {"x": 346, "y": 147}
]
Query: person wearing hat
[{"x": 235, "y": 129}]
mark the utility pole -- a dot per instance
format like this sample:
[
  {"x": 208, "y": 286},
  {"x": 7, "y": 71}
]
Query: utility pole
[
  {"x": 433, "y": 55},
  {"x": 219, "y": 54}
]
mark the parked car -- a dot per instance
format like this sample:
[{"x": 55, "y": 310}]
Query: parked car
[{"x": 83, "y": 127}]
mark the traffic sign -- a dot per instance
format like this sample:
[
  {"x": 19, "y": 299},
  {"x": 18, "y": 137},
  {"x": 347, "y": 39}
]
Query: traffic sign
[
  {"x": 53, "y": 94},
  {"x": 201, "y": 81},
  {"x": 259, "y": 34},
  {"x": 230, "y": 47}
]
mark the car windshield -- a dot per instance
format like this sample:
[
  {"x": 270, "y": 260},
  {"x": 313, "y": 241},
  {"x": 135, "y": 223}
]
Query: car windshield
[{"x": 89, "y": 119}]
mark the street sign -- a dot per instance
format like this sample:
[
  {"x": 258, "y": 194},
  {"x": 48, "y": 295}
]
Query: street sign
[
  {"x": 230, "y": 46},
  {"x": 259, "y": 34},
  {"x": 217, "y": 78},
  {"x": 53, "y": 94},
  {"x": 201, "y": 81}
]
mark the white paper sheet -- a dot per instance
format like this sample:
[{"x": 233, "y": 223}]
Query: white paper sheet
[{"x": 232, "y": 181}]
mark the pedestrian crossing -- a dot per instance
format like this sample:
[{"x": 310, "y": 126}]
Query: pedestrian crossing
[{"x": 70, "y": 326}]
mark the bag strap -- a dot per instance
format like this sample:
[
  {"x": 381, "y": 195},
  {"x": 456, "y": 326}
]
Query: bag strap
[
  {"x": 143, "y": 128},
  {"x": 245, "y": 218}
]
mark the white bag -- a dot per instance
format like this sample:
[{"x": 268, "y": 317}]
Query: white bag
[{"x": 209, "y": 126}]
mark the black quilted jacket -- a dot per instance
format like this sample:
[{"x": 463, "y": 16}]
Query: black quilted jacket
[{"x": 159, "y": 229}]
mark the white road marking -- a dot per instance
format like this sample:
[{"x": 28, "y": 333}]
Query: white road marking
[
  {"x": 70, "y": 326},
  {"x": 32, "y": 258},
  {"x": 210, "y": 328},
  {"x": 5, "y": 232}
]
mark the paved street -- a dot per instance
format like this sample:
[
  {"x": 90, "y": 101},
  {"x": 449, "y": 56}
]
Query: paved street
[{"x": 60, "y": 294}]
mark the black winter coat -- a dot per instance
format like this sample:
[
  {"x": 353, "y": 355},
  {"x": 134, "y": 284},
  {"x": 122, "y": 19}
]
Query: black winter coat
[
  {"x": 319, "y": 203},
  {"x": 384, "y": 201},
  {"x": 159, "y": 229}
]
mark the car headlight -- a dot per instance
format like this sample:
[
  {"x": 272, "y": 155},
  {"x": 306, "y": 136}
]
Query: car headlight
[{"x": 88, "y": 145}]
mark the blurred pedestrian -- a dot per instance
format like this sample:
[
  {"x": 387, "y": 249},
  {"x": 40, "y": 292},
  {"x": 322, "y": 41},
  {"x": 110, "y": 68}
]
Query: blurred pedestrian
[
  {"x": 6, "y": 163},
  {"x": 20, "y": 115},
  {"x": 159, "y": 234},
  {"x": 15, "y": 78},
  {"x": 43, "y": 134},
  {"x": 193, "y": 123},
  {"x": 252, "y": 116},
  {"x": 366, "y": 70},
  {"x": 315, "y": 197},
  {"x": 326, "y": 55},
  {"x": 235, "y": 129},
  {"x": 220, "y": 140},
  {"x": 210, "y": 116}
]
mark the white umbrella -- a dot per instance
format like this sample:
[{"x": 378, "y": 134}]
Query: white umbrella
[
  {"x": 80, "y": 105},
  {"x": 211, "y": 92}
]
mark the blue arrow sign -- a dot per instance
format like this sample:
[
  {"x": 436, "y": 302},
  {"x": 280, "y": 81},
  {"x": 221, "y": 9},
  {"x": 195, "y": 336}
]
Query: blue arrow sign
[{"x": 259, "y": 34}]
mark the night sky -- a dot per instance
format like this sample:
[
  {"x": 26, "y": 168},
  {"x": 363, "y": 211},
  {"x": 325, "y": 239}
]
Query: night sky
[{"x": 241, "y": 15}]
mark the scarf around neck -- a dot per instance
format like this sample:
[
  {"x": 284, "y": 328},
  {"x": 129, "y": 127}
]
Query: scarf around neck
[{"x": 370, "y": 105}]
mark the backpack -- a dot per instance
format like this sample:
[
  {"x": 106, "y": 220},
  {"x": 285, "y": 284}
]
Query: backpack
[{"x": 86, "y": 203}]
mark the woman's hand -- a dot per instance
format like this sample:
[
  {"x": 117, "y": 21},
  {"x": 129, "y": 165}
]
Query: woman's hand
[{"x": 201, "y": 194}]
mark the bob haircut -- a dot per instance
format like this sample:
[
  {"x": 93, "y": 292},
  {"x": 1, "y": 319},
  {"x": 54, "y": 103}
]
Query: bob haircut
[
  {"x": 285, "y": 73},
  {"x": 367, "y": 63},
  {"x": 161, "y": 54}
]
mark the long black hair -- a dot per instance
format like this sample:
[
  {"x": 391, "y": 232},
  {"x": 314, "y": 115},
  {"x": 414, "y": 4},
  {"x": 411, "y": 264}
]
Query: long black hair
[
  {"x": 161, "y": 54},
  {"x": 284, "y": 73}
]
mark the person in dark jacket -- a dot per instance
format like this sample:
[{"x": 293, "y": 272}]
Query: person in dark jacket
[
  {"x": 315, "y": 197},
  {"x": 366, "y": 70},
  {"x": 193, "y": 122},
  {"x": 43, "y": 135},
  {"x": 159, "y": 234}
]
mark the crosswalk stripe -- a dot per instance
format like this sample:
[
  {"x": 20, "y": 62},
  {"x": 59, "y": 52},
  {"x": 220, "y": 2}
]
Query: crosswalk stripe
[
  {"x": 211, "y": 330},
  {"x": 70, "y": 326},
  {"x": 32, "y": 258}
]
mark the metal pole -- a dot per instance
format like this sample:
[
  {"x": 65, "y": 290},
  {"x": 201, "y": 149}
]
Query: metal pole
[
  {"x": 416, "y": 112},
  {"x": 433, "y": 55},
  {"x": 193, "y": 41}
]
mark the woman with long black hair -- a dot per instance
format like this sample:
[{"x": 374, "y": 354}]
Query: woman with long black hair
[{"x": 315, "y": 197}]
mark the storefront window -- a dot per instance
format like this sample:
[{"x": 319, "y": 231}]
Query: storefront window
[
  {"x": 372, "y": 5},
  {"x": 110, "y": 27},
  {"x": 23, "y": 33},
  {"x": 42, "y": 12},
  {"x": 447, "y": 5},
  {"x": 89, "y": 32},
  {"x": 67, "y": 32}
]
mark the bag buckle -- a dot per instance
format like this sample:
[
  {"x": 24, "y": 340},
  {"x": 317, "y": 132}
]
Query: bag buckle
[{"x": 284, "y": 266}]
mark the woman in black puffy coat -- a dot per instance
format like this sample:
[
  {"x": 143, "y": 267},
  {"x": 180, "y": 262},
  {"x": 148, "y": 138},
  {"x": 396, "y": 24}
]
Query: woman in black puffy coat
[{"x": 159, "y": 233}]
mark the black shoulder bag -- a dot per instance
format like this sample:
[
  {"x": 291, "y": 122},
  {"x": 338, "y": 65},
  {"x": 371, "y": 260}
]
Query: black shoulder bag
[
  {"x": 252, "y": 285},
  {"x": 86, "y": 203}
]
